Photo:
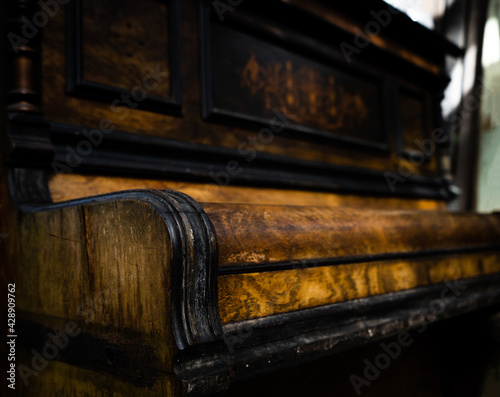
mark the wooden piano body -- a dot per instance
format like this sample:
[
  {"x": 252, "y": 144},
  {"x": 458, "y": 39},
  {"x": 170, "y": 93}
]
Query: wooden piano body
[{"x": 236, "y": 197}]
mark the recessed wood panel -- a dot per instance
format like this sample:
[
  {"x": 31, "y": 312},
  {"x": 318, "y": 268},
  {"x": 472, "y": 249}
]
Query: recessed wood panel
[
  {"x": 249, "y": 77},
  {"x": 125, "y": 53},
  {"x": 76, "y": 112},
  {"x": 412, "y": 122},
  {"x": 122, "y": 38}
]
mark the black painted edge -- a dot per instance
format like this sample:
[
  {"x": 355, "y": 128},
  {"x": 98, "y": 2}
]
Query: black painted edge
[
  {"x": 211, "y": 113},
  {"x": 280, "y": 341},
  {"x": 29, "y": 186},
  {"x": 76, "y": 85},
  {"x": 244, "y": 268},
  {"x": 205, "y": 60},
  {"x": 195, "y": 315},
  {"x": 129, "y": 154}
]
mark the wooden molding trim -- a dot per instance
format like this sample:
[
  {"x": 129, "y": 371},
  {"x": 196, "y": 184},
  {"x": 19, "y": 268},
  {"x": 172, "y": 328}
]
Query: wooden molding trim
[
  {"x": 190, "y": 290},
  {"x": 65, "y": 187},
  {"x": 172, "y": 159},
  {"x": 275, "y": 342},
  {"x": 22, "y": 53},
  {"x": 263, "y": 238},
  {"x": 78, "y": 86}
]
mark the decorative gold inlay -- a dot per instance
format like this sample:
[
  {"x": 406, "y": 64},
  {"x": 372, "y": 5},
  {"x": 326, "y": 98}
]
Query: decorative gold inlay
[{"x": 305, "y": 94}]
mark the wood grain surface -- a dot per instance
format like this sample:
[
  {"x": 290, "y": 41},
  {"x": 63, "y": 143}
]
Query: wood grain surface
[
  {"x": 253, "y": 295},
  {"x": 104, "y": 267},
  {"x": 72, "y": 186},
  {"x": 127, "y": 37},
  {"x": 329, "y": 255},
  {"x": 62, "y": 108},
  {"x": 257, "y": 234},
  {"x": 146, "y": 288}
]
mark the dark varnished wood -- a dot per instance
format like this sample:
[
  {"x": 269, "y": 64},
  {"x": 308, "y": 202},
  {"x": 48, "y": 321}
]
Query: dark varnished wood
[
  {"x": 302, "y": 252},
  {"x": 78, "y": 113},
  {"x": 253, "y": 235},
  {"x": 113, "y": 242},
  {"x": 324, "y": 99},
  {"x": 72, "y": 186},
  {"x": 146, "y": 35},
  {"x": 175, "y": 317},
  {"x": 22, "y": 57},
  {"x": 149, "y": 156}
]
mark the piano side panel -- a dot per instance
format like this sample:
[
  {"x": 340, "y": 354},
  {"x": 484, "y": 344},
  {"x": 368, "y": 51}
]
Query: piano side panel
[{"x": 102, "y": 271}]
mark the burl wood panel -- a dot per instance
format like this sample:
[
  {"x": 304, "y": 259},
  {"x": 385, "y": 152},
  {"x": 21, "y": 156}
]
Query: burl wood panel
[
  {"x": 59, "y": 107},
  {"x": 260, "y": 238},
  {"x": 252, "y": 295},
  {"x": 120, "y": 39},
  {"x": 72, "y": 186},
  {"x": 106, "y": 267}
]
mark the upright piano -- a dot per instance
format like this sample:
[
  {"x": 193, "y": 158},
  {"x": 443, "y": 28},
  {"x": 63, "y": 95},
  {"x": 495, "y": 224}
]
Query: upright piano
[{"x": 235, "y": 198}]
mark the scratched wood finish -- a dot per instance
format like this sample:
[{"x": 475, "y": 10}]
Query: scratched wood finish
[
  {"x": 72, "y": 186},
  {"x": 253, "y": 295},
  {"x": 127, "y": 37},
  {"x": 253, "y": 234},
  {"x": 264, "y": 239},
  {"x": 106, "y": 267},
  {"x": 103, "y": 255},
  {"x": 59, "y": 107}
]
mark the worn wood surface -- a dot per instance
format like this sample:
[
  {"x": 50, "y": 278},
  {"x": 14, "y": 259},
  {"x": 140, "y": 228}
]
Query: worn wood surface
[
  {"x": 59, "y": 107},
  {"x": 72, "y": 186},
  {"x": 293, "y": 258},
  {"x": 254, "y": 295},
  {"x": 127, "y": 36},
  {"x": 105, "y": 267},
  {"x": 254, "y": 234},
  {"x": 110, "y": 266}
]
